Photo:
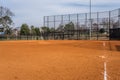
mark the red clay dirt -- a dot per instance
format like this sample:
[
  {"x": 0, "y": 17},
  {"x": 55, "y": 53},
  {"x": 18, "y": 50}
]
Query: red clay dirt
[{"x": 59, "y": 60}]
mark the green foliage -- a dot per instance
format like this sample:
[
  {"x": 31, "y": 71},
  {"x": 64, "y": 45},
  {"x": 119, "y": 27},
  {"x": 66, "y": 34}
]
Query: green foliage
[
  {"x": 52, "y": 29},
  {"x": 6, "y": 12},
  {"x": 33, "y": 32},
  {"x": 8, "y": 31},
  {"x": 37, "y": 31},
  {"x": 46, "y": 29},
  {"x": 6, "y": 21},
  {"x": 102, "y": 30},
  {"x": 60, "y": 28},
  {"x": 24, "y": 30},
  {"x": 5, "y": 18},
  {"x": 1, "y": 29},
  {"x": 69, "y": 26}
]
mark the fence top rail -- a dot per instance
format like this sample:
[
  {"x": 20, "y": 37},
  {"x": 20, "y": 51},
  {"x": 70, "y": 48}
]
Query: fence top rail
[{"x": 83, "y": 13}]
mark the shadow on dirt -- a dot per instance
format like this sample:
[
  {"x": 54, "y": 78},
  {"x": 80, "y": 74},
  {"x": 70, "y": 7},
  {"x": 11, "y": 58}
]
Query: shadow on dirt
[{"x": 118, "y": 47}]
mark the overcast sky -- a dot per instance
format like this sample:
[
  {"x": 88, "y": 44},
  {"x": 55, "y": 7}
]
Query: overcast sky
[{"x": 33, "y": 11}]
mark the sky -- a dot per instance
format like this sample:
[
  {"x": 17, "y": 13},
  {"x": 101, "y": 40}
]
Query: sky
[{"x": 32, "y": 12}]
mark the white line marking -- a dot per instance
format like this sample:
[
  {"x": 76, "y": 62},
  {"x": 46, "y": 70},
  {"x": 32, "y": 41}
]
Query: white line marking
[
  {"x": 103, "y": 57},
  {"x": 104, "y": 44},
  {"x": 105, "y": 64},
  {"x": 105, "y": 71}
]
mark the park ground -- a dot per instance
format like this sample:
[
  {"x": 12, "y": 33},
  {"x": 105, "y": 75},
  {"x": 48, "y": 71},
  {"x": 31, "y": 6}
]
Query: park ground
[{"x": 59, "y": 60}]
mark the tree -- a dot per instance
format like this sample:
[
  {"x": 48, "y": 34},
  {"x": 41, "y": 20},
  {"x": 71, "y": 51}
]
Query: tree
[
  {"x": 8, "y": 31},
  {"x": 5, "y": 17},
  {"x": 60, "y": 28},
  {"x": 37, "y": 31},
  {"x": 33, "y": 32},
  {"x": 46, "y": 29},
  {"x": 69, "y": 26},
  {"x": 24, "y": 30},
  {"x": 6, "y": 22},
  {"x": 52, "y": 29},
  {"x": 102, "y": 30},
  {"x": 5, "y": 12}
]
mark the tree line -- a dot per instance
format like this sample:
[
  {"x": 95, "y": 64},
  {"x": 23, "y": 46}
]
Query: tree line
[
  {"x": 35, "y": 31},
  {"x": 6, "y": 22},
  {"x": 26, "y": 30}
]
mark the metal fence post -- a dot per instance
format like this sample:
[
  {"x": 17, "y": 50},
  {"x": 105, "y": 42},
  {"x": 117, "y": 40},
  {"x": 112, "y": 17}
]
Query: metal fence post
[
  {"x": 62, "y": 27},
  {"x": 68, "y": 30},
  {"x": 44, "y": 21},
  {"x": 69, "y": 17},
  {"x": 44, "y": 34},
  {"x": 86, "y": 22},
  {"x": 109, "y": 25},
  {"x": 62, "y": 20},
  {"x": 47, "y": 21},
  {"x": 119, "y": 17},
  {"x": 90, "y": 30},
  {"x": 54, "y": 28},
  {"x": 97, "y": 25},
  {"x": 77, "y": 26}
]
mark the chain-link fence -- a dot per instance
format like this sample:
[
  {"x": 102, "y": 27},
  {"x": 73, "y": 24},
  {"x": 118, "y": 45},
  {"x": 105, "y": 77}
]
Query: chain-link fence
[
  {"x": 21, "y": 37},
  {"x": 82, "y": 27},
  {"x": 101, "y": 26}
]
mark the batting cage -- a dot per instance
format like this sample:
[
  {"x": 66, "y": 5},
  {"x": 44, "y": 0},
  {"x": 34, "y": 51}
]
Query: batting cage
[{"x": 82, "y": 27}]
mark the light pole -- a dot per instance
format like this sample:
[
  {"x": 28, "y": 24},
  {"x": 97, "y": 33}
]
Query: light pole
[{"x": 90, "y": 33}]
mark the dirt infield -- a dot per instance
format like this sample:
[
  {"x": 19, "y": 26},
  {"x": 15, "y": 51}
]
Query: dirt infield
[{"x": 59, "y": 60}]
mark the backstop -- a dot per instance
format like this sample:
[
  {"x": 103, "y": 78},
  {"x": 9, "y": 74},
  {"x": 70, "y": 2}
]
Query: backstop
[{"x": 81, "y": 27}]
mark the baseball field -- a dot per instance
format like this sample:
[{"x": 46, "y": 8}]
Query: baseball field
[{"x": 60, "y": 60}]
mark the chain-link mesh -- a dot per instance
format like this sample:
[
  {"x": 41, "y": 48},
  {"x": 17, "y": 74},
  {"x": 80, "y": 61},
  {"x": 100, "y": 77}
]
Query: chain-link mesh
[{"x": 79, "y": 26}]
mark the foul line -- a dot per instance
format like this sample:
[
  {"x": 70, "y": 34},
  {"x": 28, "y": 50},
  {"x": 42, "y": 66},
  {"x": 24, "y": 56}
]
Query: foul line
[
  {"x": 106, "y": 76},
  {"x": 105, "y": 65},
  {"x": 105, "y": 71}
]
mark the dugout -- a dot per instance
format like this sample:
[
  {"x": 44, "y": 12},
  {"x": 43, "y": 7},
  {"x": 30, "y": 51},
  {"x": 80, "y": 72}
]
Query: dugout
[{"x": 115, "y": 34}]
